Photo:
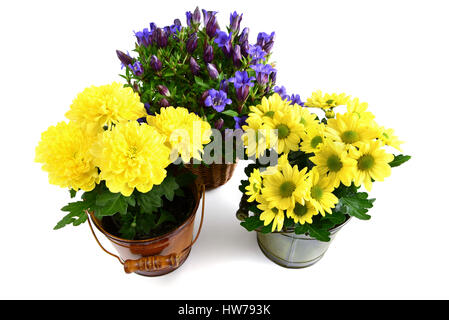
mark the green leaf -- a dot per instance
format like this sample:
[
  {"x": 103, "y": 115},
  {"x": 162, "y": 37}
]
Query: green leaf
[
  {"x": 357, "y": 205},
  {"x": 398, "y": 160},
  {"x": 201, "y": 83},
  {"x": 108, "y": 204},
  {"x": 252, "y": 223},
  {"x": 77, "y": 214},
  {"x": 301, "y": 229},
  {"x": 230, "y": 113},
  {"x": 149, "y": 202},
  {"x": 167, "y": 188},
  {"x": 318, "y": 233},
  {"x": 243, "y": 185},
  {"x": 185, "y": 179},
  {"x": 337, "y": 217},
  {"x": 72, "y": 193},
  {"x": 165, "y": 216}
]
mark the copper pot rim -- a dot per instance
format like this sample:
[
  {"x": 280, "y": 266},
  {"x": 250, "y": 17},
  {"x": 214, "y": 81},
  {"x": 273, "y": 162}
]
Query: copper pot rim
[{"x": 197, "y": 197}]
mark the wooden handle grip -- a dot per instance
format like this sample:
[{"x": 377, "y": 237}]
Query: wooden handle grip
[{"x": 152, "y": 263}]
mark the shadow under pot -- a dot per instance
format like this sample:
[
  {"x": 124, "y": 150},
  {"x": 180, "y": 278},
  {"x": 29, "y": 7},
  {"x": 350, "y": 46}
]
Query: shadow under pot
[
  {"x": 291, "y": 250},
  {"x": 156, "y": 256}
]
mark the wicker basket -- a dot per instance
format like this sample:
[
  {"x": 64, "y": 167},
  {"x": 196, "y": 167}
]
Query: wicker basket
[{"x": 213, "y": 175}]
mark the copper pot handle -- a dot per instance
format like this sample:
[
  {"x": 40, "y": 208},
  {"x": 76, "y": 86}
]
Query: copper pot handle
[{"x": 153, "y": 263}]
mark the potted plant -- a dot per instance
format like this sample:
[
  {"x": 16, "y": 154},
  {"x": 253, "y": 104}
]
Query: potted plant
[
  {"x": 122, "y": 161},
  {"x": 215, "y": 73},
  {"x": 298, "y": 204}
]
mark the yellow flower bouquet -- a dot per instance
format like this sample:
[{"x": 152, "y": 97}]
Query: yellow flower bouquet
[
  {"x": 124, "y": 162},
  {"x": 321, "y": 165}
]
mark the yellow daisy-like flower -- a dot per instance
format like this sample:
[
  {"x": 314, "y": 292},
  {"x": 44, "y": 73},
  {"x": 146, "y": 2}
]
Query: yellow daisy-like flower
[
  {"x": 321, "y": 196},
  {"x": 282, "y": 189},
  {"x": 351, "y": 130},
  {"x": 307, "y": 119},
  {"x": 313, "y": 139},
  {"x": 101, "y": 106},
  {"x": 132, "y": 156},
  {"x": 289, "y": 131},
  {"x": 270, "y": 106},
  {"x": 255, "y": 186},
  {"x": 302, "y": 213},
  {"x": 360, "y": 109},
  {"x": 64, "y": 151},
  {"x": 372, "y": 163},
  {"x": 332, "y": 160},
  {"x": 326, "y": 101},
  {"x": 271, "y": 214},
  {"x": 388, "y": 137},
  {"x": 186, "y": 132},
  {"x": 256, "y": 138}
]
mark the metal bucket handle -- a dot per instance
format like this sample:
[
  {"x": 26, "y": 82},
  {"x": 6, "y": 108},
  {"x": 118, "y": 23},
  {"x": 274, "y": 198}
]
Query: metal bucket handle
[{"x": 153, "y": 263}]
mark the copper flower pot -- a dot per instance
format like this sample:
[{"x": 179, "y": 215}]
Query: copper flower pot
[
  {"x": 156, "y": 256},
  {"x": 213, "y": 175}
]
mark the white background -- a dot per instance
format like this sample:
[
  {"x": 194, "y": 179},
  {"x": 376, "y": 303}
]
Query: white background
[{"x": 392, "y": 54}]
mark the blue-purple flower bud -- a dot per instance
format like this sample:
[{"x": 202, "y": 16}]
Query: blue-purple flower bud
[
  {"x": 161, "y": 38},
  {"x": 268, "y": 46},
  {"x": 208, "y": 53},
  {"x": 189, "y": 18},
  {"x": 235, "y": 22},
  {"x": 242, "y": 93},
  {"x": 177, "y": 22},
  {"x": 153, "y": 26},
  {"x": 163, "y": 90},
  {"x": 136, "y": 68},
  {"x": 212, "y": 26},
  {"x": 192, "y": 43},
  {"x": 155, "y": 63},
  {"x": 124, "y": 58},
  {"x": 194, "y": 66},
  {"x": 244, "y": 48},
  {"x": 164, "y": 103},
  {"x": 219, "y": 124},
  {"x": 196, "y": 17},
  {"x": 244, "y": 36},
  {"x": 237, "y": 56},
  {"x": 212, "y": 70},
  {"x": 224, "y": 85},
  {"x": 147, "y": 108}
]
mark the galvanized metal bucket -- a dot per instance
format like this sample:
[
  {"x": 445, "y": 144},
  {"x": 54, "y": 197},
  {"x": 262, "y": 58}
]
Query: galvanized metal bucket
[{"x": 291, "y": 250}]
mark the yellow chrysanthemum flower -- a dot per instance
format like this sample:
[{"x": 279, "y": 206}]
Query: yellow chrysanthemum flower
[
  {"x": 306, "y": 118},
  {"x": 270, "y": 106},
  {"x": 321, "y": 196},
  {"x": 372, "y": 163},
  {"x": 289, "y": 131},
  {"x": 186, "y": 132},
  {"x": 332, "y": 160},
  {"x": 256, "y": 138},
  {"x": 255, "y": 186},
  {"x": 64, "y": 150},
  {"x": 271, "y": 214},
  {"x": 285, "y": 187},
  {"x": 313, "y": 139},
  {"x": 101, "y": 106},
  {"x": 351, "y": 130},
  {"x": 388, "y": 137},
  {"x": 132, "y": 156},
  {"x": 282, "y": 162},
  {"x": 326, "y": 101},
  {"x": 360, "y": 109},
  {"x": 302, "y": 213}
]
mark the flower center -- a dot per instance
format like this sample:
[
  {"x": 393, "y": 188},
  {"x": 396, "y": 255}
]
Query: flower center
[
  {"x": 283, "y": 131},
  {"x": 269, "y": 114},
  {"x": 287, "y": 188},
  {"x": 334, "y": 164},
  {"x": 300, "y": 210},
  {"x": 256, "y": 187},
  {"x": 350, "y": 136},
  {"x": 365, "y": 162},
  {"x": 132, "y": 152},
  {"x": 316, "y": 141},
  {"x": 316, "y": 192}
]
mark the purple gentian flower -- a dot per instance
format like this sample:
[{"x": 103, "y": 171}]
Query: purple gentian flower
[
  {"x": 155, "y": 63},
  {"x": 256, "y": 53},
  {"x": 212, "y": 70},
  {"x": 147, "y": 108},
  {"x": 142, "y": 120},
  {"x": 244, "y": 35},
  {"x": 219, "y": 124},
  {"x": 223, "y": 40},
  {"x": 189, "y": 16},
  {"x": 263, "y": 72},
  {"x": 124, "y": 58},
  {"x": 144, "y": 37},
  {"x": 240, "y": 121},
  {"x": 208, "y": 54},
  {"x": 161, "y": 38},
  {"x": 194, "y": 66},
  {"x": 136, "y": 68},
  {"x": 237, "y": 56},
  {"x": 192, "y": 43},
  {"x": 296, "y": 99},
  {"x": 217, "y": 99},
  {"x": 282, "y": 92},
  {"x": 235, "y": 20},
  {"x": 153, "y": 26},
  {"x": 224, "y": 84},
  {"x": 241, "y": 79},
  {"x": 212, "y": 24}
]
